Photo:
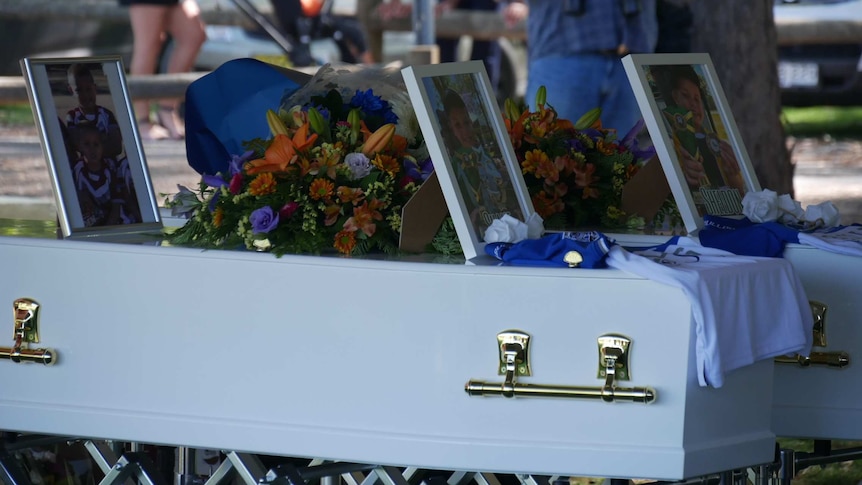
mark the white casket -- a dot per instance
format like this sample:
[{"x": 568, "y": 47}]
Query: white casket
[
  {"x": 367, "y": 360},
  {"x": 823, "y": 400}
]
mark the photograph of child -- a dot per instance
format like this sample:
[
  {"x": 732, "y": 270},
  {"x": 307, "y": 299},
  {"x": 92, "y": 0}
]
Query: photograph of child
[
  {"x": 474, "y": 152},
  {"x": 100, "y": 167},
  {"x": 706, "y": 158},
  {"x": 105, "y": 190},
  {"x": 83, "y": 84}
]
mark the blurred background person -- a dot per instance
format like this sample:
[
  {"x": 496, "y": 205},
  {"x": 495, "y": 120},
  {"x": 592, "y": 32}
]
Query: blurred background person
[
  {"x": 488, "y": 51},
  {"x": 153, "y": 21},
  {"x": 306, "y": 20},
  {"x": 574, "y": 49}
]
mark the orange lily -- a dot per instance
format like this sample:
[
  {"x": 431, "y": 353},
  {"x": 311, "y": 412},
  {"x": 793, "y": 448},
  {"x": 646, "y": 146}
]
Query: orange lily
[
  {"x": 282, "y": 152},
  {"x": 364, "y": 217}
]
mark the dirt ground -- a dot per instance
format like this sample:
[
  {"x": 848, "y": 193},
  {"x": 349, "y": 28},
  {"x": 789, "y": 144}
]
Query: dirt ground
[{"x": 826, "y": 170}]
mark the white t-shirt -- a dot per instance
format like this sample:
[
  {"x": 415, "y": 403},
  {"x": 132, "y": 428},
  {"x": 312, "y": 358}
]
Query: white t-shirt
[{"x": 745, "y": 308}]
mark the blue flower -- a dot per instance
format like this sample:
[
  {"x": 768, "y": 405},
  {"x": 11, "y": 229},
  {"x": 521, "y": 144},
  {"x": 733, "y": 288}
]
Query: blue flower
[
  {"x": 368, "y": 102},
  {"x": 263, "y": 220},
  {"x": 375, "y": 109}
]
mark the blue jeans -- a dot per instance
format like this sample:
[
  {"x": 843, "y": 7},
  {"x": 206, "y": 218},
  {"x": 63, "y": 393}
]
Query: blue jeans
[{"x": 579, "y": 83}]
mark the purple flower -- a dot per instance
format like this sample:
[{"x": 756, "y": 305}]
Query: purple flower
[
  {"x": 630, "y": 141},
  {"x": 237, "y": 161},
  {"x": 359, "y": 165},
  {"x": 263, "y": 220},
  {"x": 418, "y": 170},
  {"x": 214, "y": 181}
]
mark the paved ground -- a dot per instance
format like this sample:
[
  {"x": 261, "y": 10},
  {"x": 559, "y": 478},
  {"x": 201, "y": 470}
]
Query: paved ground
[{"x": 825, "y": 170}]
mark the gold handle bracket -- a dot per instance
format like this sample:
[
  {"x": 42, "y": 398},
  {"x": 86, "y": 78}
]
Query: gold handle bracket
[
  {"x": 26, "y": 331},
  {"x": 836, "y": 359},
  {"x": 514, "y": 346}
]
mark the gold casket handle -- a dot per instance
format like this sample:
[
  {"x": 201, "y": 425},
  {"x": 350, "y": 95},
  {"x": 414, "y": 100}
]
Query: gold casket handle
[
  {"x": 827, "y": 359},
  {"x": 514, "y": 346},
  {"x": 41, "y": 356},
  {"x": 837, "y": 358},
  {"x": 26, "y": 317},
  {"x": 605, "y": 393}
]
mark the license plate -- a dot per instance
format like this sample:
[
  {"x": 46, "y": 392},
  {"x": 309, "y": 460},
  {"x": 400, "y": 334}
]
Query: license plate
[{"x": 798, "y": 74}]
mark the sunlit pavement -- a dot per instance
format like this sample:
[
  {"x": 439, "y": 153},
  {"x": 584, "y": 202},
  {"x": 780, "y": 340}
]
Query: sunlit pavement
[{"x": 824, "y": 171}]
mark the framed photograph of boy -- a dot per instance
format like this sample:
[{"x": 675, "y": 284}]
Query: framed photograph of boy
[
  {"x": 473, "y": 156},
  {"x": 96, "y": 162},
  {"x": 694, "y": 133}
]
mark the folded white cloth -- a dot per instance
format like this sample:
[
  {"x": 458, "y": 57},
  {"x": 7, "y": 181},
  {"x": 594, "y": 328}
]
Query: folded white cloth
[
  {"x": 744, "y": 308},
  {"x": 841, "y": 240}
]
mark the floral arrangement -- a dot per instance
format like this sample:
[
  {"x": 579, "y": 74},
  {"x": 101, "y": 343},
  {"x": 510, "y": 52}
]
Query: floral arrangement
[
  {"x": 333, "y": 177},
  {"x": 575, "y": 172},
  {"x": 341, "y": 163}
]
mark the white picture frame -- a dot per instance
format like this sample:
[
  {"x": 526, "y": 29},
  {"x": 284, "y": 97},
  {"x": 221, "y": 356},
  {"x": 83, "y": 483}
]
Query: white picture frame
[
  {"x": 696, "y": 150},
  {"x": 79, "y": 103},
  {"x": 479, "y": 185}
]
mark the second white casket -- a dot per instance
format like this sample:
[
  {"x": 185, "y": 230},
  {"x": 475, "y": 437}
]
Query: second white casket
[
  {"x": 367, "y": 361},
  {"x": 824, "y": 400}
]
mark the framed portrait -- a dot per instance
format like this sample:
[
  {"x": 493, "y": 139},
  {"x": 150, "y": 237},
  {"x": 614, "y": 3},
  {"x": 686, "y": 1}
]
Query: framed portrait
[
  {"x": 694, "y": 133},
  {"x": 473, "y": 156},
  {"x": 92, "y": 146}
]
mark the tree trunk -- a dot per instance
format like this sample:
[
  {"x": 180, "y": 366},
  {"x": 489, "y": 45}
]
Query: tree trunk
[{"x": 740, "y": 37}]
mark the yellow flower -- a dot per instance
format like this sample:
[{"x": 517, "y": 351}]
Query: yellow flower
[
  {"x": 218, "y": 216},
  {"x": 532, "y": 160},
  {"x": 386, "y": 163}
]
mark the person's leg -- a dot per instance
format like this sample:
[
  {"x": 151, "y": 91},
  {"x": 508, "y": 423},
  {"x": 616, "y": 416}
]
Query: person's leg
[
  {"x": 353, "y": 35},
  {"x": 620, "y": 109},
  {"x": 148, "y": 38},
  {"x": 186, "y": 28},
  {"x": 487, "y": 51},
  {"x": 448, "y": 49},
  {"x": 573, "y": 83},
  {"x": 298, "y": 29}
]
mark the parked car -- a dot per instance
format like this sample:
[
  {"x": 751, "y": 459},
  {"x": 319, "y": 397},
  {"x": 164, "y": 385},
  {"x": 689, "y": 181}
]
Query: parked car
[{"x": 813, "y": 74}]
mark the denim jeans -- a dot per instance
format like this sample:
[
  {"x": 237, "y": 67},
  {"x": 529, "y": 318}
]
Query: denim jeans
[{"x": 576, "y": 84}]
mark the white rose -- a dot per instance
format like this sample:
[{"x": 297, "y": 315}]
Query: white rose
[
  {"x": 262, "y": 244},
  {"x": 535, "y": 226},
  {"x": 824, "y": 214},
  {"x": 506, "y": 229},
  {"x": 789, "y": 210},
  {"x": 760, "y": 206},
  {"x": 498, "y": 231}
]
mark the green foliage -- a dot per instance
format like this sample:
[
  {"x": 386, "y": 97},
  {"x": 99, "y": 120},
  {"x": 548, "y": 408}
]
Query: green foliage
[
  {"x": 839, "y": 122},
  {"x": 840, "y": 473},
  {"x": 16, "y": 115}
]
